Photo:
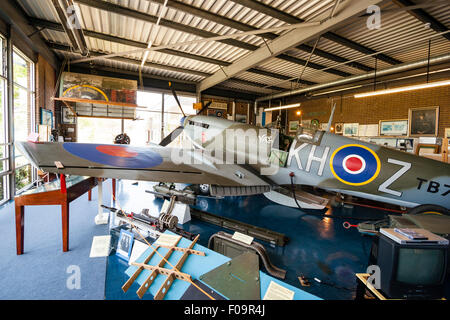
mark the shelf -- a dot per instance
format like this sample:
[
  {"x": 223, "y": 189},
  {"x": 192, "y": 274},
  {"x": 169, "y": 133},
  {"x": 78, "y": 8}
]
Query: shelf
[{"x": 109, "y": 103}]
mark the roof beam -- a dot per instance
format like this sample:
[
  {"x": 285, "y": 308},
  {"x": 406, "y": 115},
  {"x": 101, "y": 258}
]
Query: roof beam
[
  {"x": 114, "y": 8},
  {"x": 285, "y": 42},
  {"x": 97, "y": 35},
  {"x": 193, "y": 10},
  {"x": 67, "y": 49},
  {"x": 75, "y": 35},
  {"x": 127, "y": 12},
  {"x": 283, "y": 16},
  {"x": 424, "y": 16}
]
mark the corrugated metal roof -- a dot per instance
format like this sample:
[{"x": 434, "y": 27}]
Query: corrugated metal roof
[{"x": 398, "y": 30}]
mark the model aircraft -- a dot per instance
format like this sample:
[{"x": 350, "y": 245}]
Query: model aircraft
[{"x": 313, "y": 157}]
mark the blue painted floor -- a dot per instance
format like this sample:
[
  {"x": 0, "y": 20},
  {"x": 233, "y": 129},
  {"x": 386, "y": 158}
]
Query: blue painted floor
[
  {"x": 44, "y": 271},
  {"x": 318, "y": 247}
]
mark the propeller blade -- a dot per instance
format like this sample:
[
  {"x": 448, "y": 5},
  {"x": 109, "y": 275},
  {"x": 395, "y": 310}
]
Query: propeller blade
[
  {"x": 205, "y": 107},
  {"x": 171, "y": 136},
  {"x": 176, "y": 98}
]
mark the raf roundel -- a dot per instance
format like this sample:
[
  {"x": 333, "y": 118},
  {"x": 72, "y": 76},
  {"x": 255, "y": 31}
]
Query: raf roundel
[
  {"x": 115, "y": 155},
  {"x": 355, "y": 164}
]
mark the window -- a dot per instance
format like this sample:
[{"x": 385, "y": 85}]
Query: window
[
  {"x": 148, "y": 126},
  {"x": 23, "y": 79},
  {"x": 3, "y": 128},
  {"x": 98, "y": 130},
  {"x": 147, "y": 129}
]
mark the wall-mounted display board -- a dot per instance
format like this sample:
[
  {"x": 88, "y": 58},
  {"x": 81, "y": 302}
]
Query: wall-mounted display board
[
  {"x": 368, "y": 130},
  {"x": 92, "y": 87},
  {"x": 394, "y": 127},
  {"x": 351, "y": 129},
  {"x": 94, "y": 96}
]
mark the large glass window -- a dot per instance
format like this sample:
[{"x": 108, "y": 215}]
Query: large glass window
[
  {"x": 23, "y": 79},
  {"x": 3, "y": 128},
  {"x": 148, "y": 126},
  {"x": 147, "y": 129},
  {"x": 98, "y": 130}
]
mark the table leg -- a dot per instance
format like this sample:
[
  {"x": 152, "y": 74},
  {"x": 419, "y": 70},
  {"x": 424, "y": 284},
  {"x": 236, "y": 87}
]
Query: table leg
[
  {"x": 20, "y": 223},
  {"x": 65, "y": 226},
  {"x": 114, "y": 189}
]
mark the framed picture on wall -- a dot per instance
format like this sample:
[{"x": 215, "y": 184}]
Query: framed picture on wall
[
  {"x": 68, "y": 116},
  {"x": 351, "y": 129},
  {"x": 47, "y": 117},
  {"x": 242, "y": 118},
  {"x": 339, "y": 128},
  {"x": 393, "y": 127},
  {"x": 423, "y": 121},
  {"x": 293, "y": 126},
  {"x": 447, "y": 133}
]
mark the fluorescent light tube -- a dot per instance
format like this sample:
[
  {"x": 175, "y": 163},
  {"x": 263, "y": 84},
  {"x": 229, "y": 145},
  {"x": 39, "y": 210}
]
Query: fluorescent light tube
[
  {"x": 296, "y": 105},
  {"x": 402, "y": 89}
]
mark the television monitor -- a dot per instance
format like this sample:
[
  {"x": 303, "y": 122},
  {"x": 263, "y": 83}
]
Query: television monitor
[{"x": 412, "y": 270}]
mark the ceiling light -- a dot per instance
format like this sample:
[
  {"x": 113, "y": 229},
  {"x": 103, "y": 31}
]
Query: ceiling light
[
  {"x": 296, "y": 105},
  {"x": 401, "y": 89}
]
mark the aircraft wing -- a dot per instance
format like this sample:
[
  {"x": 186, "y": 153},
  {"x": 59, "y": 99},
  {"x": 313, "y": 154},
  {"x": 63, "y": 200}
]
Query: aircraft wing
[{"x": 150, "y": 163}]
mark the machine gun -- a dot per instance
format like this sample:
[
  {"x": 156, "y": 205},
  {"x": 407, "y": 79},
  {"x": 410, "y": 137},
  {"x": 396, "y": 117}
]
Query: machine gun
[{"x": 146, "y": 222}]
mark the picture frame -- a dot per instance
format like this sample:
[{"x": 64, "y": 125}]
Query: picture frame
[
  {"x": 293, "y": 126},
  {"x": 423, "y": 121},
  {"x": 67, "y": 116},
  {"x": 339, "y": 128},
  {"x": 447, "y": 133},
  {"x": 242, "y": 118},
  {"x": 125, "y": 244},
  {"x": 315, "y": 123},
  {"x": 351, "y": 129},
  {"x": 393, "y": 127},
  {"x": 46, "y": 117}
]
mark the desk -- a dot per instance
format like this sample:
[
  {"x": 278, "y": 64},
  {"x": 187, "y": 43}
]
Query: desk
[{"x": 53, "y": 193}]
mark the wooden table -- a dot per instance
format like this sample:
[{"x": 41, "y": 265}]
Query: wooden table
[{"x": 55, "y": 193}]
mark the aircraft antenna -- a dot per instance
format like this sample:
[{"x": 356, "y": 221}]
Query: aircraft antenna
[{"x": 331, "y": 117}]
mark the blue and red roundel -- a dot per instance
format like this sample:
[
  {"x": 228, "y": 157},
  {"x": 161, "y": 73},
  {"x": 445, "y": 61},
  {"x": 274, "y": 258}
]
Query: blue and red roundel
[
  {"x": 115, "y": 155},
  {"x": 355, "y": 164}
]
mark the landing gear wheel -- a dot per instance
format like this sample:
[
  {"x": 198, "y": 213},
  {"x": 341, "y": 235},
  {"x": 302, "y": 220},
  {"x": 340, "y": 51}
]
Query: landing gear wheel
[
  {"x": 429, "y": 209},
  {"x": 204, "y": 189}
]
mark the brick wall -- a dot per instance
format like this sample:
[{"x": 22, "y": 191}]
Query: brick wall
[
  {"x": 371, "y": 110},
  {"x": 45, "y": 85}
]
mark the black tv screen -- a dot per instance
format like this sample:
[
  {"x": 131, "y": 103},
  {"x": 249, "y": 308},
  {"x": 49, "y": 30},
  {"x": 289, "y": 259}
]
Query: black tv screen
[{"x": 420, "y": 266}]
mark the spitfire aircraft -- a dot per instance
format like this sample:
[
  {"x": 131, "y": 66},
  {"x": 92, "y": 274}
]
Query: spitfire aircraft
[{"x": 312, "y": 157}]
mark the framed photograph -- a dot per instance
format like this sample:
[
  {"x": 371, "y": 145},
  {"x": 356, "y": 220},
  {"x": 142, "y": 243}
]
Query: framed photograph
[
  {"x": 339, "y": 128},
  {"x": 47, "y": 117},
  {"x": 315, "y": 123},
  {"x": 293, "y": 126},
  {"x": 125, "y": 244},
  {"x": 423, "y": 121},
  {"x": 447, "y": 133},
  {"x": 242, "y": 118},
  {"x": 68, "y": 116},
  {"x": 351, "y": 129},
  {"x": 393, "y": 127}
]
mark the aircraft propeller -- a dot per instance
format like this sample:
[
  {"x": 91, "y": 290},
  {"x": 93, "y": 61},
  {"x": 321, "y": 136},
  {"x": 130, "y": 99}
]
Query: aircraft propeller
[{"x": 175, "y": 133}]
